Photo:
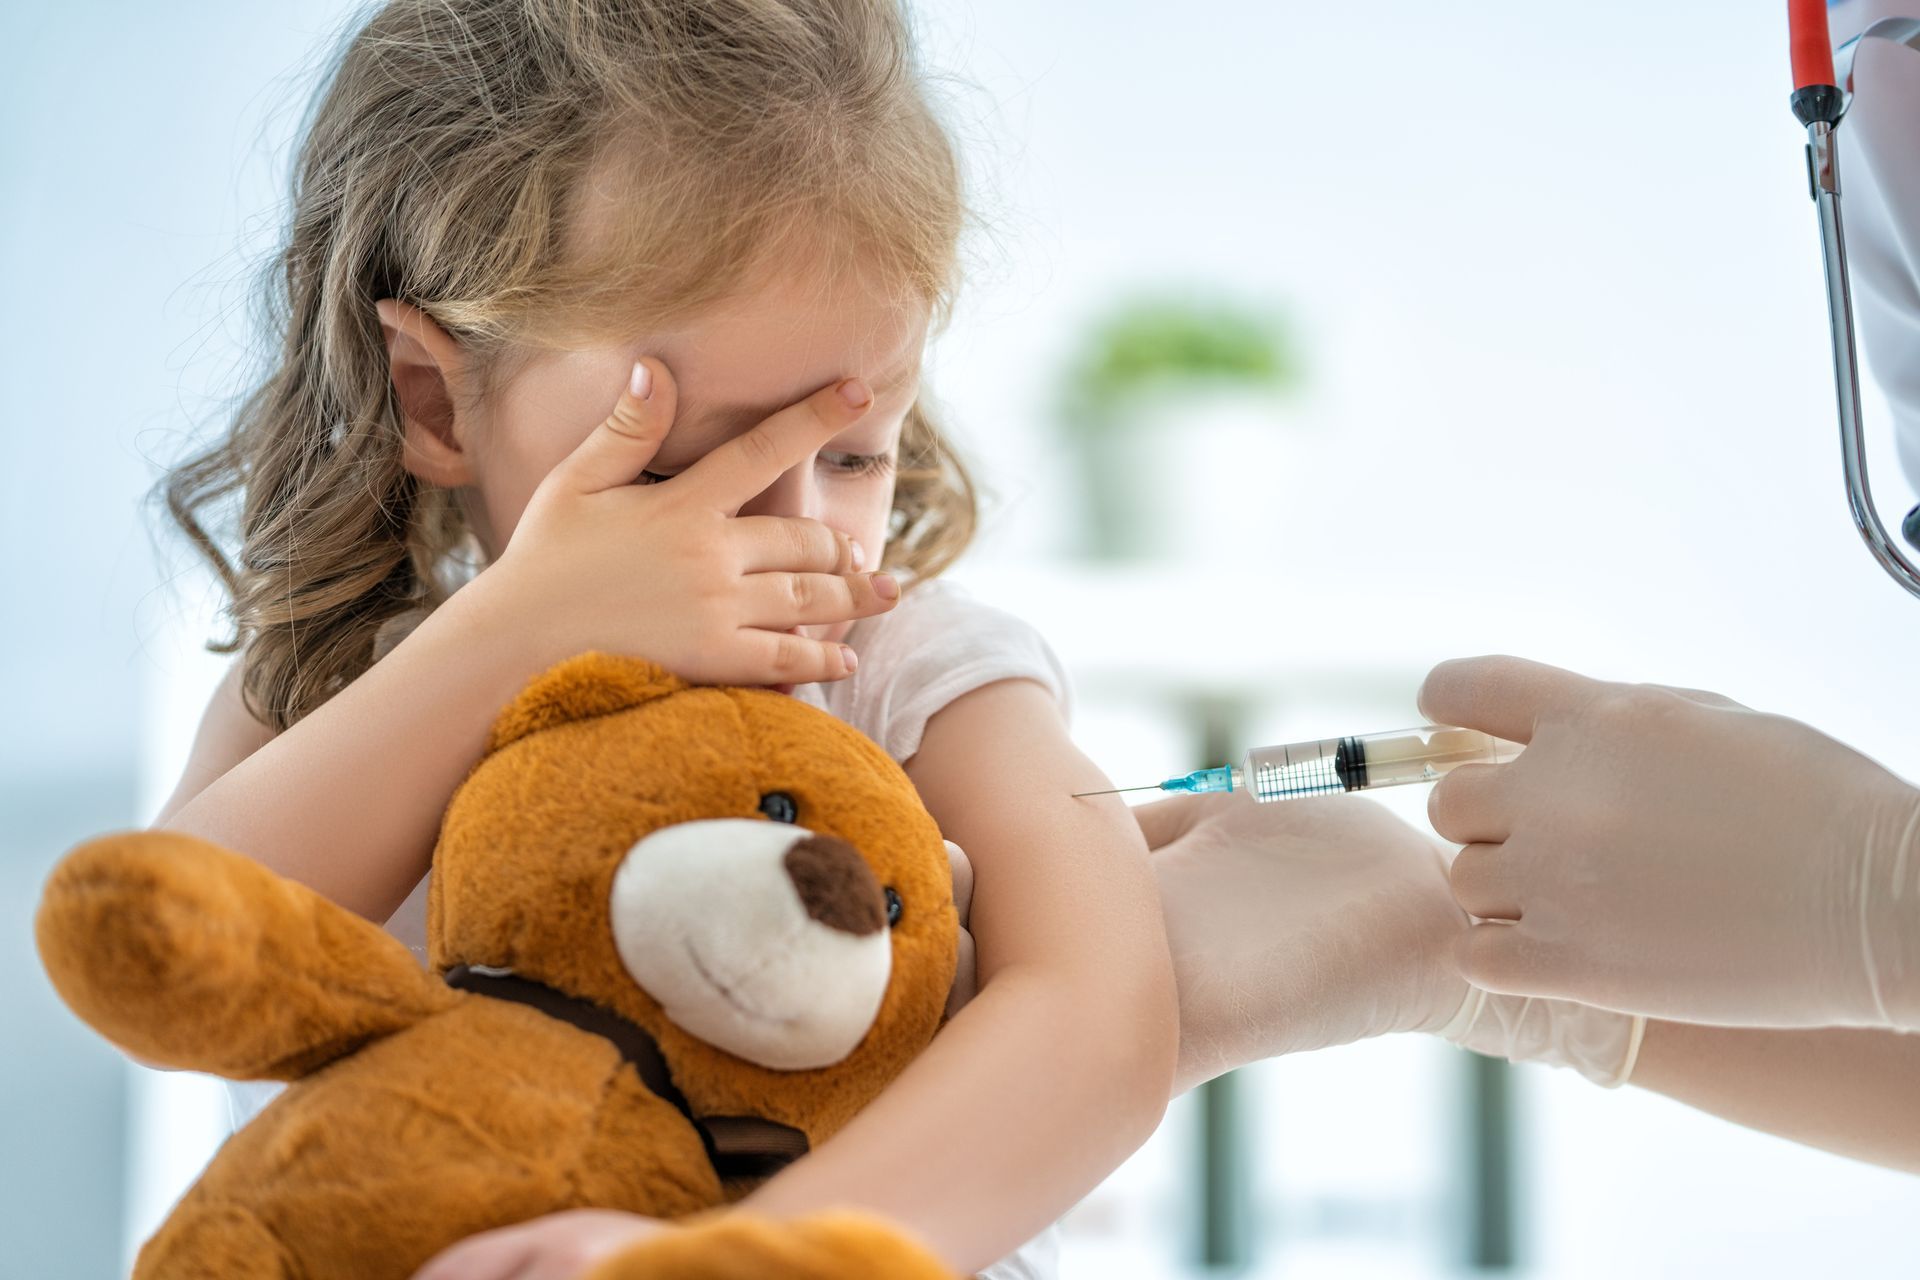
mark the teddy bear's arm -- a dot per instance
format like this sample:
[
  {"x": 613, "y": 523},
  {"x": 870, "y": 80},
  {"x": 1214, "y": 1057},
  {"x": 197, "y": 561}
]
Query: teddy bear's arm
[
  {"x": 737, "y": 1246},
  {"x": 190, "y": 956}
]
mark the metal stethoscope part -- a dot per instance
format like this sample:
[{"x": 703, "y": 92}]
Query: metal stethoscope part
[{"x": 1820, "y": 102}]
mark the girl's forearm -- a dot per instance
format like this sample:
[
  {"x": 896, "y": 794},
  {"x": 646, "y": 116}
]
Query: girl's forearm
[
  {"x": 348, "y": 800},
  {"x": 1030, "y": 1065},
  {"x": 1851, "y": 1091}
]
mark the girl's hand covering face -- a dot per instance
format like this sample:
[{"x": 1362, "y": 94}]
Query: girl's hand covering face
[{"x": 673, "y": 572}]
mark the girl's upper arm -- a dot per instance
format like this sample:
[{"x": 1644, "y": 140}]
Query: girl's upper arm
[
  {"x": 997, "y": 771},
  {"x": 227, "y": 735}
]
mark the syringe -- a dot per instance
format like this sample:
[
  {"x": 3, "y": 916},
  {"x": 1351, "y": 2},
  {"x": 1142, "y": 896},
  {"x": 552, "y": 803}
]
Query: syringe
[{"x": 1332, "y": 765}]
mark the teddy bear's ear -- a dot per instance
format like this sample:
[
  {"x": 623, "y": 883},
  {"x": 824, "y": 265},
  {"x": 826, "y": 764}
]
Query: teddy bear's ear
[{"x": 593, "y": 684}]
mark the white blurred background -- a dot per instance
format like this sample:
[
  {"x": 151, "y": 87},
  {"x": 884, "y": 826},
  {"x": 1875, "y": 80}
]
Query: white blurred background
[{"x": 1549, "y": 276}]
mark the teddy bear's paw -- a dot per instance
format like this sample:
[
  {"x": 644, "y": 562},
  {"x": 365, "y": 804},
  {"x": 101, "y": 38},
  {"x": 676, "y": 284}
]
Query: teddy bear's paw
[
  {"x": 214, "y": 1242},
  {"x": 737, "y": 1246},
  {"x": 128, "y": 918}
]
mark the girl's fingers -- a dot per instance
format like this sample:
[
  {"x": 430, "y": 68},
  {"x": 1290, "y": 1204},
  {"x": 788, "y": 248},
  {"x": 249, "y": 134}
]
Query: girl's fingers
[
  {"x": 493, "y": 1255},
  {"x": 777, "y": 601},
  {"x": 733, "y": 474},
  {"x": 621, "y": 447},
  {"x": 795, "y": 659},
  {"x": 797, "y": 544}
]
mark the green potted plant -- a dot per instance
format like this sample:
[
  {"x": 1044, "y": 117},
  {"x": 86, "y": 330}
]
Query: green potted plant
[{"x": 1159, "y": 398}]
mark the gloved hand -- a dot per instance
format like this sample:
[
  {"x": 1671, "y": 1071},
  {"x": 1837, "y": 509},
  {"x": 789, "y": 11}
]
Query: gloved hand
[
  {"x": 1600, "y": 1044},
  {"x": 1316, "y": 923},
  {"x": 1312, "y": 923},
  {"x": 1671, "y": 853},
  {"x": 1299, "y": 925}
]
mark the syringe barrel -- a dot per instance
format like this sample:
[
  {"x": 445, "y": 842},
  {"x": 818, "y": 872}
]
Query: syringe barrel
[
  {"x": 1359, "y": 763},
  {"x": 1294, "y": 769}
]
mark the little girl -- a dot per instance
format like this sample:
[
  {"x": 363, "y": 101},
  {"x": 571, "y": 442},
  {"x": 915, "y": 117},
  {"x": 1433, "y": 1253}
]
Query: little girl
[{"x": 731, "y": 221}]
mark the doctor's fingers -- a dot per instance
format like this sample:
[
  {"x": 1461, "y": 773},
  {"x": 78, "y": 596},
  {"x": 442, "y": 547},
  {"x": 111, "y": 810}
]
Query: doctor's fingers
[
  {"x": 1474, "y": 803},
  {"x": 1704, "y": 697},
  {"x": 1485, "y": 882},
  {"x": 1164, "y": 821},
  {"x": 1508, "y": 959},
  {"x": 1500, "y": 695}
]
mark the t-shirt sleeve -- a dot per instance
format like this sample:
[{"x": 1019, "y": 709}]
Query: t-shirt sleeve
[{"x": 939, "y": 645}]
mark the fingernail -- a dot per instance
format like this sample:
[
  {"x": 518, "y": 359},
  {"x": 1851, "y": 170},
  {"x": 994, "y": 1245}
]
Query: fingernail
[
  {"x": 641, "y": 383},
  {"x": 858, "y": 554},
  {"x": 885, "y": 586},
  {"x": 851, "y": 658},
  {"x": 855, "y": 393}
]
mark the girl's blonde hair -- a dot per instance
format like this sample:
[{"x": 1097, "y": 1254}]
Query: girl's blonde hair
[{"x": 449, "y": 162}]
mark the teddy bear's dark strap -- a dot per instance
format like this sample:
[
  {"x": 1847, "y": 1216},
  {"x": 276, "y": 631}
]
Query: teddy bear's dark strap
[{"x": 738, "y": 1146}]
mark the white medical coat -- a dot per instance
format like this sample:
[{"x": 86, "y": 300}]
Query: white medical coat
[{"x": 1880, "y": 196}]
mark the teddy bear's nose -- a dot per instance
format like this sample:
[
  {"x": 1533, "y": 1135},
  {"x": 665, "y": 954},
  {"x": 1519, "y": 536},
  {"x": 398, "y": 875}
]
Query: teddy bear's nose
[{"x": 836, "y": 886}]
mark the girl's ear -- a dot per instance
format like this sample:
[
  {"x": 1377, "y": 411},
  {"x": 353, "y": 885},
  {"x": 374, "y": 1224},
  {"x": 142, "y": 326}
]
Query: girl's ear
[{"x": 426, "y": 365}]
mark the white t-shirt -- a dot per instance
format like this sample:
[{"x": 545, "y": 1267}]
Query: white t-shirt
[
  {"x": 1880, "y": 197},
  {"x": 936, "y": 645}
]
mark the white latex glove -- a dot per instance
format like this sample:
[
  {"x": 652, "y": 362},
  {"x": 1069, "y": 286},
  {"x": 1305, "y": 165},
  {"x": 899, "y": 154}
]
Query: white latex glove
[
  {"x": 1600, "y": 1044},
  {"x": 1670, "y": 853},
  {"x": 1299, "y": 925},
  {"x": 1314, "y": 923},
  {"x": 1311, "y": 923}
]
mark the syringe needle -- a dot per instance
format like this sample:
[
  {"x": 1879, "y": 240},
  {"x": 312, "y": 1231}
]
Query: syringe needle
[{"x": 1081, "y": 795}]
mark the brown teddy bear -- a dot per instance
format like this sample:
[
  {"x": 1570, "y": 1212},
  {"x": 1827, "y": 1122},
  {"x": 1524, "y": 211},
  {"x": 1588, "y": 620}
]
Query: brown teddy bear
[{"x": 678, "y": 937}]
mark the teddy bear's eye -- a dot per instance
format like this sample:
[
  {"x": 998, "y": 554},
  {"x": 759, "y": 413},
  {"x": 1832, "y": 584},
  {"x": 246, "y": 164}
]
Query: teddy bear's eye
[
  {"x": 893, "y": 907},
  {"x": 779, "y": 806}
]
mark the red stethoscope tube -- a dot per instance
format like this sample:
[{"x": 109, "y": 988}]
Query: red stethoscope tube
[{"x": 1812, "y": 46}]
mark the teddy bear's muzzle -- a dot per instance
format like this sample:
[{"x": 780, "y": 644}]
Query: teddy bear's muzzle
[{"x": 762, "y": 938}]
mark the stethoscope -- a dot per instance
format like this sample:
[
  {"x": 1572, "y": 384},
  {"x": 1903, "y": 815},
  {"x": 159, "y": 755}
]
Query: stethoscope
[{"x": 1822, "y": 91}]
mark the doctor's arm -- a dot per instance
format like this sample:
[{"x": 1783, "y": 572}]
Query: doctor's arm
[{"x": 1850, "y": 1091}]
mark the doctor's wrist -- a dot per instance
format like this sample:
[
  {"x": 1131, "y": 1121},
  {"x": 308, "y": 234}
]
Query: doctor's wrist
[
  {"x": 1888, "y": 904},
  {"x": 1600, "y": 1044}
]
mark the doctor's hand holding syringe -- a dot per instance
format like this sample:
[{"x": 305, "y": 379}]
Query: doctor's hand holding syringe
[{"x": 1665, "y": 890}]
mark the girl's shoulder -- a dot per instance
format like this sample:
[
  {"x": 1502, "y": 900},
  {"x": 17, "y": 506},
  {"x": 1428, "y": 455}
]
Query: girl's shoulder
[
  {"x": 940, "y": 623},
  {"x": 228, "y": 734},
  {"x": 937, "y": 645}
]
